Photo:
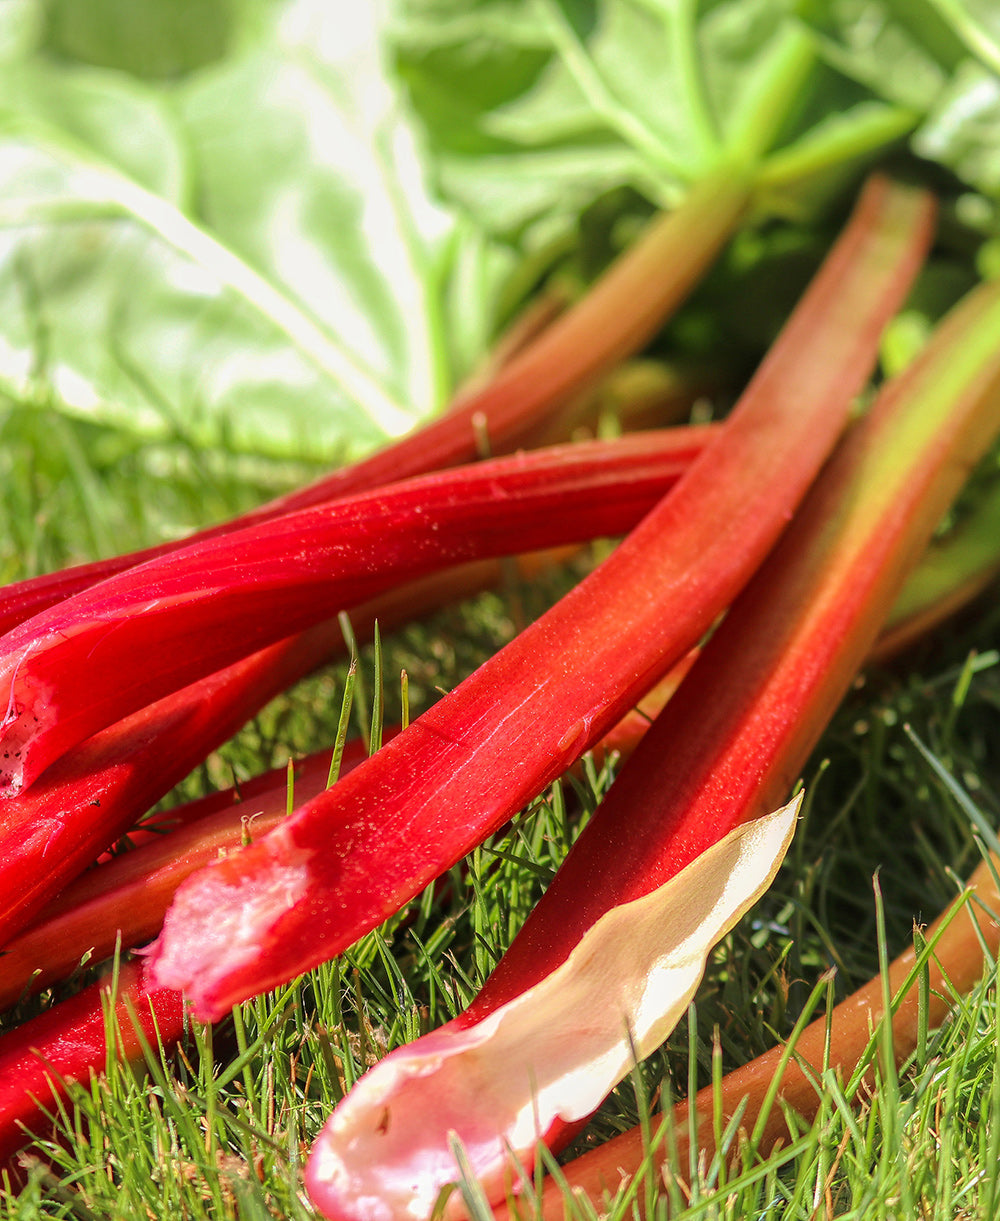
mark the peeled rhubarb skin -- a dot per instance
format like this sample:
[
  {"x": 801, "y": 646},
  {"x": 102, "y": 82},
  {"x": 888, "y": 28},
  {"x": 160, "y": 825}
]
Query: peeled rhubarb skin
[
  {"x": 344, "y": 862},
  {"x": 135, "y": 638},
  {"x": 961, "y": 938},
  {"x": 385, "y": 1153}
]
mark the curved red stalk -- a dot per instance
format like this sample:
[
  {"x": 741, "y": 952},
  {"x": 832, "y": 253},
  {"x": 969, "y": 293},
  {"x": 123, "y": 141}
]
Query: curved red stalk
[
  {"x": 68, "y": 1043},
  {"x": 116, "y": 647},
  {"x": 306, "y": 891},
  {"x": 97, "y": 791},
  {"x": 622, "y": 310}
]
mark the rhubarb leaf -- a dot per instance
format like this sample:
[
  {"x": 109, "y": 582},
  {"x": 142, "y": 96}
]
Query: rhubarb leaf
[
  {"x": 535, "y": 109},
  {"x": 499, "y": 1086},
  {"x": 940, "y": 58},
  {"x": 249, "y": 254}
]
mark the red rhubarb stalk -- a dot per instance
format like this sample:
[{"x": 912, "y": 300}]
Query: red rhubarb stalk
[
  {"x": 732, "y": 741},
  {"x": 112, "y": 649},
  {"x": 306, "y": 891},
  {"x": 622, "y": 310},
  {"x": 69, "y": 1043},
  {"x": 122, "y": 902},
  {"x": 98, "y": 790}
]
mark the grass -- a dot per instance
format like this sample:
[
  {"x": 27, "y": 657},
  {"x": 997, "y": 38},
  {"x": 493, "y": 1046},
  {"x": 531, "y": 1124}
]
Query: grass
[{"x": 903, "y": 775}]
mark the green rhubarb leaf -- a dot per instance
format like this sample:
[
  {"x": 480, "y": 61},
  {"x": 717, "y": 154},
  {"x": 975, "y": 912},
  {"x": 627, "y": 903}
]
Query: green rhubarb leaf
[
  {"x": 154, "y": 39},
  {"x": 939, "y": 57},
  {"x": 247, "y": 254},
  {"x": 536, "y": 108}
]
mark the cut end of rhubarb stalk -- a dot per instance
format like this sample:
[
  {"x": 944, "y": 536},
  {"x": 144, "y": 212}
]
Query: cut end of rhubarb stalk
[
  {"x": 226, "y": 934},
  {"x": 550, "y": 1055},
  {"x": 17, "y": 729}
]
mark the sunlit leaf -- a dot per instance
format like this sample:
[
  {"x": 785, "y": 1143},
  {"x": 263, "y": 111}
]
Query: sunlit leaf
[{"x": 249, "y": 255}]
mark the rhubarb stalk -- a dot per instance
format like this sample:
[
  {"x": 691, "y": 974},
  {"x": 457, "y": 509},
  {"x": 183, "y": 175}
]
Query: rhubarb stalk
[
  {"x": 69, "y": 1043},
  {"x": 134, "y": 638},
  {"x": 732, "y": 742},
  {"x": 306, "y": 891}
]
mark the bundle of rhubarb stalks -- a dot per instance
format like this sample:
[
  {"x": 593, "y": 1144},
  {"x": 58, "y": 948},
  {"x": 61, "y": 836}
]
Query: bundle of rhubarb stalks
[{"x": 762, "y": 560}]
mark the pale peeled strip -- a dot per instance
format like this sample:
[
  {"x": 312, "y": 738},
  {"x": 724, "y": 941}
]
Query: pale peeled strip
[{"x": 553, "y": 1052}]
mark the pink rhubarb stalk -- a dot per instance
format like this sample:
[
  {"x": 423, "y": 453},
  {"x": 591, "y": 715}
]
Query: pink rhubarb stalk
[
  {"x": 622, "y": 310},
  {"x": 307, "y": 890},
  {"x": 110, "y": 650},
  {"x": 732, "y": 742}
]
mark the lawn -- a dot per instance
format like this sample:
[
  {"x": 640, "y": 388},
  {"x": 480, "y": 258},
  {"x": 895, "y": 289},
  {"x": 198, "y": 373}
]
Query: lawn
[{"x": 210, "y": 300}]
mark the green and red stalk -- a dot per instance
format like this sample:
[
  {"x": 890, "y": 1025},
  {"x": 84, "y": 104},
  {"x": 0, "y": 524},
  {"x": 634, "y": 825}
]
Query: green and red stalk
[
  {"x": 953, "y": 571},
  {"x": 96, "y": 792},
  {"x": 306, "y": 891},
  {"x": 733, "y": 739},
  {"x": 135, "y": 638},
  {"x": 622, "y": 310},
  {"x": 69, "y": 1043},
  {"x": 788, "y": 1078}
]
